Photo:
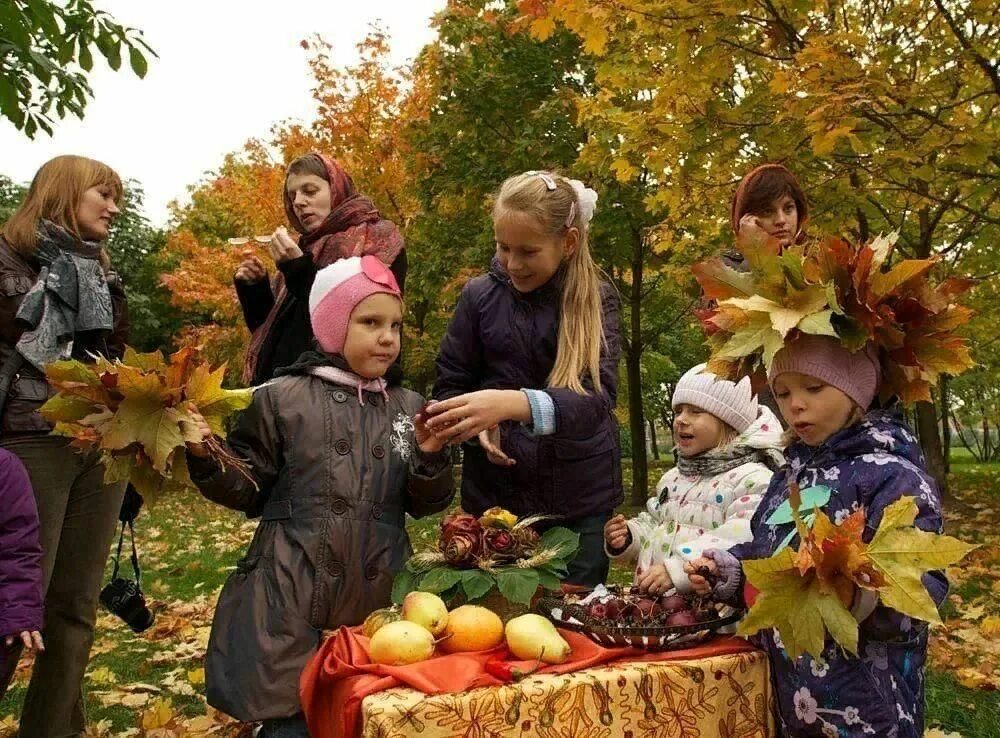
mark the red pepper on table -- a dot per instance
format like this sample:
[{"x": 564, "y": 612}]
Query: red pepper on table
[{"x": 506, "y": 672}]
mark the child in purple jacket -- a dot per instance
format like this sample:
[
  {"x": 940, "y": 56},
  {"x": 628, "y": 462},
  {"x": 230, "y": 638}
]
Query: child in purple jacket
[
  {"x": 844, "y": 459},
  {"x": 20, "y": 567},
  {"x": 527, "y": 374}
]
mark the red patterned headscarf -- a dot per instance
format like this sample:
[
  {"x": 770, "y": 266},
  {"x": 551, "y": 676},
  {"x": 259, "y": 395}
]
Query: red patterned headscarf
[{"x": 354, "y": 227}]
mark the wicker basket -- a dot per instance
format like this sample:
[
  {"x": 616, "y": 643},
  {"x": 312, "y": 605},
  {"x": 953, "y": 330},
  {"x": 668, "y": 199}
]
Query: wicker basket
[
  {"x": 646, "y": 637},
  {"x": 494, "y": 601}
]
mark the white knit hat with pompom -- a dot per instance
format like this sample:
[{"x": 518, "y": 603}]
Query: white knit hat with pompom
[{"x": 733, "y": 403}]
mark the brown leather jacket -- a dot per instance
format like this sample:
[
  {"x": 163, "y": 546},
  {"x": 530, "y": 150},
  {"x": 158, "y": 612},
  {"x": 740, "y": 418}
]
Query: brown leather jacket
[
  {"x": 29, "y": 390},
  {"x": 333, "y": 483}
]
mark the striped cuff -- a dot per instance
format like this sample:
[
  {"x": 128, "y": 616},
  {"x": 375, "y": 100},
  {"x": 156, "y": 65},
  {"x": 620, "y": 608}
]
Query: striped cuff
[
  {"x": 730, "y": 574},
  {"x": 543, "y": 412}
]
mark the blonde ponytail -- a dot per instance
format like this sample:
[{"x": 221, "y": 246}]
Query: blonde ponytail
[{"x": 581, "y": 324}]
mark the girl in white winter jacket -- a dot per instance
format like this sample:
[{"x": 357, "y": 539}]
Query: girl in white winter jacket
[{"x": 728, "y": 447}]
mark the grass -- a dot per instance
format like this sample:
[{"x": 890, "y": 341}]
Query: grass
[{"x": 188, "y": 546}]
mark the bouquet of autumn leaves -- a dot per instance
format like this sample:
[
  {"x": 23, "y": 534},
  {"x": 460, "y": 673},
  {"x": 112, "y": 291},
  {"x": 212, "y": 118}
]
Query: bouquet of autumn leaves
[
  {"x": 496, "y": 551},
  {"x": 806, "y": 594},
  {"x": 136, "y": 412}
]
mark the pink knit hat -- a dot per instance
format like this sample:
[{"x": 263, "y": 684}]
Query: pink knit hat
[
  {"x": 855, "y": 374},
  {"x": 338, "y": 289}
]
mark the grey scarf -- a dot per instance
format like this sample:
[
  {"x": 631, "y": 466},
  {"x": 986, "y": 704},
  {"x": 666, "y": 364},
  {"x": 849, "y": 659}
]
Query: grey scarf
[
  {"x": 71, "y": 295},
  {"x": 719, "y": 461}
]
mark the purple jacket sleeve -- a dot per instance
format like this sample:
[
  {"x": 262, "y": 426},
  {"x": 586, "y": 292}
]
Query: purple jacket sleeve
[
  {"x": 577, "y": 415},
  {"x": 460, "y": 359},
  {"x": 20, "y": 550}
]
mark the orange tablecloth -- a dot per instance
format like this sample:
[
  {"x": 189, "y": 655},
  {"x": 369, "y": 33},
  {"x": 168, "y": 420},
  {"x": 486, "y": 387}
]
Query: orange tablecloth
[{"x": 720, "y": 688}]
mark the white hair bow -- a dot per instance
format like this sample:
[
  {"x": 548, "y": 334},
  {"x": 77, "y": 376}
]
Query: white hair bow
[{"x": 587, "y": 200}]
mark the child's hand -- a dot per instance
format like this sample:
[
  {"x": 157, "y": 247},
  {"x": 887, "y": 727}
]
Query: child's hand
[
  {"x": 490, "y": 441},
  {"x": 197, "y": 431},
  {"x": 30, "y": 639},
  {"x": 699, "y": 583},
  {"x": 616, "y": 533},
  {"x": 428, "y": 442},
  {"x": 466, "y": 416},
  {"x": 655, "y": 580}
]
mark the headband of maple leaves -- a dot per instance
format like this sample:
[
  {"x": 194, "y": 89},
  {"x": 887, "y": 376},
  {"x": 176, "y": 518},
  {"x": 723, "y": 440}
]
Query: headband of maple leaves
[{"x": 848, "y": 292}]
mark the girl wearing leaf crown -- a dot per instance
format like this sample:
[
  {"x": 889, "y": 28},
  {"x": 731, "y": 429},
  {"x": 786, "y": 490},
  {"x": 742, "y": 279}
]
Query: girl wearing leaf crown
[
  {"x": 339, "y": 455},
  {"x": 864, "y": 330},
  {"x": 728, "y": 446},
  {"x": 527, "y": 373}
]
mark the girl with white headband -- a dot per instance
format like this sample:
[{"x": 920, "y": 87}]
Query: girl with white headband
[{"x": 527, "y": 374}]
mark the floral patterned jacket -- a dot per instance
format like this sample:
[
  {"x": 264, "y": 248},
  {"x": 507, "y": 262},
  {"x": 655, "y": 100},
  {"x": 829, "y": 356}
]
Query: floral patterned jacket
[{"x": 880, "y": 692}]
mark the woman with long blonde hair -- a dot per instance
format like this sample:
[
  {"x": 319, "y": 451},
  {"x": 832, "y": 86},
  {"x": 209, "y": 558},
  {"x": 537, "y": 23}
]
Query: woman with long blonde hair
[
  {"x": 60, "y": 299},
  {"x": 527, "y": 374}
]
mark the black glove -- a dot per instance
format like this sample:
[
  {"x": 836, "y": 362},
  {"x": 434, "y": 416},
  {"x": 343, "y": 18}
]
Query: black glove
[{"x": 130, "y": 505}]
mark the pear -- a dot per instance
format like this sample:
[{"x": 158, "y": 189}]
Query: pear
[
  {"x": 401, "y": 643},
  {"x": 426, "y": 609},
  {"x": 534, "y": 637}
]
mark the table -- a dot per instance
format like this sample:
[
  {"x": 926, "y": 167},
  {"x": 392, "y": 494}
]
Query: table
[{"x": 726, "y": 696}]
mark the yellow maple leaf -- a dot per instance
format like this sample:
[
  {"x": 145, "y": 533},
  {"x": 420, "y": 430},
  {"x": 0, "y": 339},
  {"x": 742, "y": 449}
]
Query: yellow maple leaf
[
  {"x": 103, "y": 675},
  {"x": 158, "y": 715},
  {"x": 542, "y": 28},
  {"x": 990, "y": 626},
  {"x": 796, "y": 607}
]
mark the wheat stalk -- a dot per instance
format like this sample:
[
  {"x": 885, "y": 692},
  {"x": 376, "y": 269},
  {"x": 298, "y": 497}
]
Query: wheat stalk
[
  {"x": 531, "y": 520},
  {"x": 427, "y": 559},
  {"x": 539, "y": 558}
]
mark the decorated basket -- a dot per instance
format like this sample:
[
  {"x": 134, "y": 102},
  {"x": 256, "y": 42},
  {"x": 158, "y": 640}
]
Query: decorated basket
[{"x": 566, "y": 612}]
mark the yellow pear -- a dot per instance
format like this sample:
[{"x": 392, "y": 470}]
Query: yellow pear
[
  {"x": 426, "y": 609},
  {"x": 534, "y": 637},
  {"x": 401, "y": 643},
  {"x": 472, "y": 628}
]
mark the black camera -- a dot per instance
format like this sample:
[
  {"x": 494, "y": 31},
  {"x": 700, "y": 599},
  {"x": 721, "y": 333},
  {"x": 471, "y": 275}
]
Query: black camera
[{"x": 124, "y": 598}]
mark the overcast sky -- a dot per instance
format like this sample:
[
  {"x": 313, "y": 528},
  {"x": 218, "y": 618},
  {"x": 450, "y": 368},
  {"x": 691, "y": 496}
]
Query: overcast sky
[{"x": 227, "y": 71}]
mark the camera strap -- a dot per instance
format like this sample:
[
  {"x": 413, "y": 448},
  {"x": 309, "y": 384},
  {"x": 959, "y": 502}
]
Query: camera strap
[{"x": 135, "y": 553}]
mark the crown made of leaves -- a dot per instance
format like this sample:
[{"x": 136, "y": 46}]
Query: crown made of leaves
[{"x": 833, "y": 288}]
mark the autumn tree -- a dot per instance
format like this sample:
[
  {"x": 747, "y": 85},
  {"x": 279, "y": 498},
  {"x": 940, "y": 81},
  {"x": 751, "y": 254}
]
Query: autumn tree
[
  {"x": 500, "y": 103},
  {"x": 886, "y": 111},
  {"x": 46, "y": 52},
  {"x": 360, "y": 108}
]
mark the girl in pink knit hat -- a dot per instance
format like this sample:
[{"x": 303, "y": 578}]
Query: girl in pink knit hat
[
  {"x": 729, "y": 446},
  {"x": 339, "y": 455}
]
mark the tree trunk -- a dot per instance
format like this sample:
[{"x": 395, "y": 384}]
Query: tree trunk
[
  {"x": 637, "y": 424},
  {"x": 927, "y": 416},
  {"x": 945, "y": 425},
  {"x": 652, "y": 439},
  {"x": 930, "y": 441}
]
